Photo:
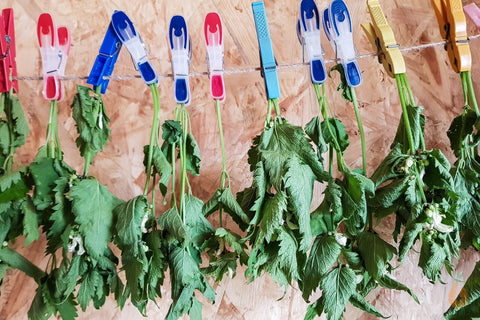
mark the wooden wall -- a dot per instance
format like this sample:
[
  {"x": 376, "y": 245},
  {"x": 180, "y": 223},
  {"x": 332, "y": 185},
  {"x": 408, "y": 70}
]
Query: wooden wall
[{"x": 129, "y": 106}]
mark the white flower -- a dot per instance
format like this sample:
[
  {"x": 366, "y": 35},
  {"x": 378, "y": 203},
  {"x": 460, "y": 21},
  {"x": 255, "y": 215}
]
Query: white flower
[
  {"x": 144, "y": 221},
  {"x": 433, "y": 212},
  {"x": 341, "y": 239},
  {"x": 76, "y": 240}
]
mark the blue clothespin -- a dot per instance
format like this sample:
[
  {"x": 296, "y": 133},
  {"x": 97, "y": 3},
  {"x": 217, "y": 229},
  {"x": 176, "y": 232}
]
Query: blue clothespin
[
  {"x": 105, "y": 61},
  {"x": 267, "y": 59},
  {"x": 308, "y": 31},
  {"x": 127, "y": 34},
  {"x": 181, "y": 54},
  {"x": 338, "y": 28}
]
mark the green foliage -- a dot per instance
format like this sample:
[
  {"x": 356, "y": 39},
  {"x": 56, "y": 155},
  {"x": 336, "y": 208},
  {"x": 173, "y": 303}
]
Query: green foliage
[
  {"x": 343, "y": 86},
  {"x": 92, "y": 122}
]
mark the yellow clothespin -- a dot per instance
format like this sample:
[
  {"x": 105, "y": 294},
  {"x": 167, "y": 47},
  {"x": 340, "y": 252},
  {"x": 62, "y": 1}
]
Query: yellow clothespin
[
  {"x": 383, "y": 40},
  {"x": 453, "y": 28}
]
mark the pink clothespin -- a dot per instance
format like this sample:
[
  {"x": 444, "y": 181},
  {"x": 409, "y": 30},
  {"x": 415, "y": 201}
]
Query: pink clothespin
[
  {"x": 215, "y": 62},
  {"x": 473, "y": 12},
  {"x": 54, "y": 47},
  {"x": 8, "y": 66}
]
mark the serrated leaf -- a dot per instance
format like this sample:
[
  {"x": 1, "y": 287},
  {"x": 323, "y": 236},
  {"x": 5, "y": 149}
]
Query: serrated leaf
[
  {"x": 417, "y": 124},
  {"x": 129, "y": 216},
  {"x": 231, "y": 206},
  {"x": 388, "y": 282},
  {"x": 338, "y": 286},
  {"x": 432, "y": 258},
  {"x": 193, "y": 155},
  {"x": 12, "y": 185},
  {"x": 171, "y": 222},
  {"x": 287, "y": 254},
  {"x": 273, "y": 215},
  {"x": 339, "y": 134},
  {"x": 91, "y": 121},
  {"x": 197, "y": 227},
  {"x": 359, "y": 301},
  {"x": 410, "y": 235},
  {"x": 315, "y": 309},
  {"x": 299, "y": 184},
  {"x": 15, "y": 116},
  {"x": 375, "y": 252},
  {"x": 343, "y": 86},
  {"x": 323, "y": 256},
  {"x": 92, "y": 205},
  {"x": 437, "y": 172},
  {"x": 30, "y": 223},
  {"x": 160, "y": 165},
  {"x": 313, "y": 129}
]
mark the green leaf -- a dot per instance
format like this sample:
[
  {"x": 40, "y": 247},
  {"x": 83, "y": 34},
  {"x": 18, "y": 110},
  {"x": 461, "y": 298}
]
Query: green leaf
[
  {"x": 313, "y": 129},
  {"x": 193, "y": 155},
  {"x": 197, "y": 227},
  {"x": 437, "y": 172},
  {"x": 315, "y": 309},
  {"x": 299, "y": 184},
  {"x": 359, "y": 301},
  {"x": 17, "y": 123},
  {"x": 231, "y": 206},
  {"x": 323, "y": 256},
  {"x": 388, "y": 169},
  {"x": 467, "y": 303},
  {"x": 172, "y": 131},
  {"x": 273, "y": 215},
  {"x": 287, "y": 254},
  {"x": 388, "y": 282},
  {"x": 92, "y": 205},
  {"x": 339, "y": 134},
  {"x": 346, "y": 90},
  {"x": 410, "y": 235},
  {"x": 358, "y": 189},
  {"x": 129, "y": 216},
  {"x": 432, "y": 258},
  {"x": 375, "y": 252},
  {"x": 30, "y": 224},
  {"x": 92, "y": 122},
  {"x": 461, "y": 130},
  {"x": 172, "y": 224},
  {"x": 338, "y": 286},
  {"x": 12, "y": 186},
  {"x": 417, "y": 124},
  {"x": 160, "y": 165},
  {"x": 90, "y": 287}
]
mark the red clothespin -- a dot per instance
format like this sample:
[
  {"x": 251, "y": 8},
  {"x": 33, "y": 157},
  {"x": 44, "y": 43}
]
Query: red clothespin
[
  {"x": 54, "y": 47},
  {"x": 214, "y": 42},
  {"x": 8, "y": 66}
]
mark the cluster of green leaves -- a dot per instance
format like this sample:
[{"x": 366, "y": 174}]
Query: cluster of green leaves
[
  {"x": 464, "y": 135},
  {"x": 285, "y": 167},
  {"x": 348, "y": 258},
  {"x": 417, "y": 185}
]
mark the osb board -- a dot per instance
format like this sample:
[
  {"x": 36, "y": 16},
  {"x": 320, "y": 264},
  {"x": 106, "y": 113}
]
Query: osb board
[{"x": 129, "y": 106}]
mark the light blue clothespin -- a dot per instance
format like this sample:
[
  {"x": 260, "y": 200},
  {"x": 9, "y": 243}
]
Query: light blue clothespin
[
  {"x": 338, "y": 28},
  {"x": 308, "y": 31},
  {"x": 127, "y": 34},
  {"x": 267, "y": 59},
  {"x": 105, "y": 61},
  {"x": 180, "y": 46}
]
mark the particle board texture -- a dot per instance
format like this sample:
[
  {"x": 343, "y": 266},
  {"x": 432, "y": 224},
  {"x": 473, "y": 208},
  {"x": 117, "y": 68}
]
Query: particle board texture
[{"x": 129, "y": 105}]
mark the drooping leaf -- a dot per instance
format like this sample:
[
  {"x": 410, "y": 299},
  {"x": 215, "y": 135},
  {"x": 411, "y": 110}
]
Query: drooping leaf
[
  {"x": 417, "y": 124},
  {"x": 30, "y": 223},
  {"x": 193, "y": 155},
  {"x": 92, "y": 205},
  {"x": 160, "y": 165},
  {"x": 375, "y": 252},
  {"x": 338, "y": 287}
]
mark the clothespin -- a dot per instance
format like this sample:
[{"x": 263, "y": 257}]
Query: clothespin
[
  {"x": 126, "y": 33},
  {"x": 453, "y": 28},
  {"x": 308, "y": 32},
  {"x": 383, "y": 40},
  {"x": 338, "y": 28},
  {"x": 8, "y": 65},
  {"x": 267, "y": 59},
  {"x": 105, "y": 61},
  {"x": 215, "y": 62},
  {"x": 180, "y": 46},
  {"x": 54, "y": 48},
  {"x": 473, "y": 12}
]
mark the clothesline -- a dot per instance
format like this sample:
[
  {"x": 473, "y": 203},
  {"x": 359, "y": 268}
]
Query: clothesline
[{"x": 241, "y": 71}]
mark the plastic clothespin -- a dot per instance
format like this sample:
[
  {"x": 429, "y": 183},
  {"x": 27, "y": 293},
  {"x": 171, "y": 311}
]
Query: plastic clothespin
[
  {"x": 308, "y": 31},
  {"x": 383, "y": 40},
  {"x": 338, "y": 28},
  {"x": 54, "y": 48},
  {"x": 267, "y": 59},
  {"x": 180, "y": 45},
  {"x": 126, "y": 33},
  {"x": 8, "y": 65},
  {"x": 453, "y": 28},
  {"x": 105, "y": 61},
  {"x": 215, "y": 62}
]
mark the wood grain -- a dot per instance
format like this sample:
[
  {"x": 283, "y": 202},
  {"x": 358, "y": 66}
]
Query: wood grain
[{"x": 436, "y": 87}]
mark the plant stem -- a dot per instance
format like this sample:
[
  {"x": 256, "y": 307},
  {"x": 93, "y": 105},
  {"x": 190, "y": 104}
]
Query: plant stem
[
  {"x": 2, "y": 102},
  {"x": 277, "y": 107},
  {"x": 183, "y": 117},
  {"x": 330, "y": 160},
  {"x": 403, "y": 103},
  {"x": 19, "y": 262},
  {"x": 153, "y": 134},
  {"x": 173, "y": 201},
  {"x": 471, "y": 92},
  {"x": 269, "y": 113},
  {"x": 360, "y": 128},
  {"x": 51, "y": 131},
  {"x": 224, "y": 174}
]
